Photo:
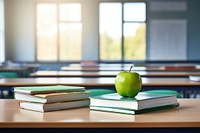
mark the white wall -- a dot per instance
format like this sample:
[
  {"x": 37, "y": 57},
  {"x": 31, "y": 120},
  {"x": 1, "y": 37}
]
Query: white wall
[
  {"x": 19, "y": 22},
  {"x": 90, "y": 31},
  {"x": 2, "y": 32},
  {"x": 20, "y": 30}
]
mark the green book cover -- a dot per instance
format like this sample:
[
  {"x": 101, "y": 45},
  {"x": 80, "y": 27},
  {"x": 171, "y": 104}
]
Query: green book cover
[
  {"x": 132, "y": 112},
  {"x": 140, "y": 96},
  {"x": 48, "y": 89},
  {"x": 143, "y": 100}
]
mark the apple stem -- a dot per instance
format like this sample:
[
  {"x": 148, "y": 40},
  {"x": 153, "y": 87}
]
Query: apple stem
[{"x": 130, "y": 68}]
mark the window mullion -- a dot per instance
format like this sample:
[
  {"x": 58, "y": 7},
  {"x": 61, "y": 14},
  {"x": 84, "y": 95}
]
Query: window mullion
[
  {"x": 122, "y": 54},
  {"x": 58, "y": 33}
]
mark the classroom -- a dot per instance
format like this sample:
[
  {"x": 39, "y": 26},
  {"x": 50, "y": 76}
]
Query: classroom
[{"x": 92, "y": 44}]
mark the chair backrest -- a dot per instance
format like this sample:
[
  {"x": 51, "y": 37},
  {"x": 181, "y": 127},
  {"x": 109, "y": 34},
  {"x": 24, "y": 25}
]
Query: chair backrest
[
  {"x": 96, "y": 92},
  {"x": 9, "y": 75}
]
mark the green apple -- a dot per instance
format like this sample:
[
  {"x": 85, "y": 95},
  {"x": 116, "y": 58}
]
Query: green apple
[{"x": 128, "y": 84}]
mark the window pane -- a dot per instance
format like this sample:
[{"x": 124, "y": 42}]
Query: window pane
[
  {"x": 46, "y": 32},
  {"x": 70, "y": 41},
  {"x": 135, "y": 11},
  {"x": 134, "y": 41},
  {"x": 70, "y": 12},
  {"x": 110, "y": 31}
]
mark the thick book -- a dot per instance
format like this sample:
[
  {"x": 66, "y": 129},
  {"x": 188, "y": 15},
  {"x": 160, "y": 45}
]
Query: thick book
[
  {"x": 195, "y": 78},
  {"x": 48, "y": 89},
  {"x": 131, "y": 111},
  {"x": 46, "y": 107},
  {"x": 143, "y": 100},
  {"x": 52, "y": 97}
]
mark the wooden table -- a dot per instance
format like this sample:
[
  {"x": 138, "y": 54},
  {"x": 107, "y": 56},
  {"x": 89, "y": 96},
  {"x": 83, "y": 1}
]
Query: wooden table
[
  {"x": 108, "y": 74},
  {"x": 119, "y": 68},
  {"x": 180, "y": 84},
  {"x": 187, "y": 115},
  {"x": 92, "y": 82},
  {"x": 126, "y": 68},
  {"x": 23, "y": 70}
]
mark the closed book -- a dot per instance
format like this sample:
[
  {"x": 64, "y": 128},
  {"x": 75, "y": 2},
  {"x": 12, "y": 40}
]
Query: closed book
[
  {"x": 48, "y": 89},
  {"x": 46, "y": 107},
  {"x": 52, "y": 97},
  {"x": 131, "y": 111},
  {"x": 194, "y": 78},
  {"x": 143, "y": 100}
]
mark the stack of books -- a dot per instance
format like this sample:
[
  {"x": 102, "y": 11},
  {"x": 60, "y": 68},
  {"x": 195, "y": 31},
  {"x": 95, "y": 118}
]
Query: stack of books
[
  {"x": 51, "y": 98},
  {"x": 143, "y": 102}
]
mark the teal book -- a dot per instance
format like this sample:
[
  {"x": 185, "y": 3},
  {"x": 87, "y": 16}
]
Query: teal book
[
  {"x": 46, "y": 107},
  {"x": 132, "y": 112},
  {"x": 48, "y": 89},
  {"x": 142, "y": 101}
]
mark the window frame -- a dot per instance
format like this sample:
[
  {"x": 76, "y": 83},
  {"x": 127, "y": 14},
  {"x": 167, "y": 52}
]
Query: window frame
[
  {"x": 97, "y": 34},
  {"x": 122, "y": 60},
  {"x": 57, "y": 2}
]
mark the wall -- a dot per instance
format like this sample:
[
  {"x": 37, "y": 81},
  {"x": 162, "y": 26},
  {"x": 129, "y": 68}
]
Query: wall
[
  {"x": 20, "y": 35},
  {"x": 2, "y": 33},
  {"x": 193, "y": 30},
  {"x": 19, "y": 25}
]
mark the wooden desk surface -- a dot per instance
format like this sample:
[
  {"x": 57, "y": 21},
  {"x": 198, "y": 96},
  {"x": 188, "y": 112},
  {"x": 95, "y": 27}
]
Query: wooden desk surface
[
  {"x": 106, "y": 81},
  {"x": 186, "y": 115},
  {"x": 126, "y": 68},
  {"x": 117, "y": 68},
  {"x": 12, "y": 69},
  {"x": 108, "y": 74}
]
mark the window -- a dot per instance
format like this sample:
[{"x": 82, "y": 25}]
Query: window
[
  {"x": 59, "y": 31},
  {"x": 122, "y": 29},
  {"x": 2, "y": 32},
  {"x": 64, "y": 27}
]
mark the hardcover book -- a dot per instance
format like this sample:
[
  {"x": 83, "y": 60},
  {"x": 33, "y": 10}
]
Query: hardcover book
[
  {"x": 52, "y": 97},
  {"x": 45, "y": 107},
  {"x": 48, "y": 89},
  {"x": 194, "y": 78},
  {"x": 131, "y": 111},
  {"x": 142, "y": 101}
]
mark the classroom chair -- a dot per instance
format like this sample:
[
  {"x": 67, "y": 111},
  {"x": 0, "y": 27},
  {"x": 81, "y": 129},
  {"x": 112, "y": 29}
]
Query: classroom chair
[
  {"x": 9, "y": 75},
  {"x": 178, "y": 95},
  {"x": 9, "y": 94}
]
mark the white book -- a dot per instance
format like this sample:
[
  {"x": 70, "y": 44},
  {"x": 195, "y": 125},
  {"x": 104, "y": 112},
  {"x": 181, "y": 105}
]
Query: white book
[
  {"x": 48, "y": 89},
  {"x": 143, "y": 100},
  {"x": 52, "y": 97},
  {"x": 45, "y": 107},
  {"x": 194, "y": 78}
]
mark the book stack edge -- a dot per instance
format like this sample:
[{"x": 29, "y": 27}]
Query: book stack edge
[
  {"x": 51, "y": 98},
  {"x": 142, "y": 103}
]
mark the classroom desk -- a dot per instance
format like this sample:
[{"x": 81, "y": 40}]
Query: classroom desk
[
  {"x": 180, "y": 84},
  {"x": 108, "y": 74},
  {"x": 12, "y": 69},
  {"x": 67, "y": 68},
  {"x": 102, "y": 65},
  {"x": 92, "y": 82},
  {"x": 23, "y": 70},
  {"x": 122, "y": 68},
  {"x": 187, "y": 115}
]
